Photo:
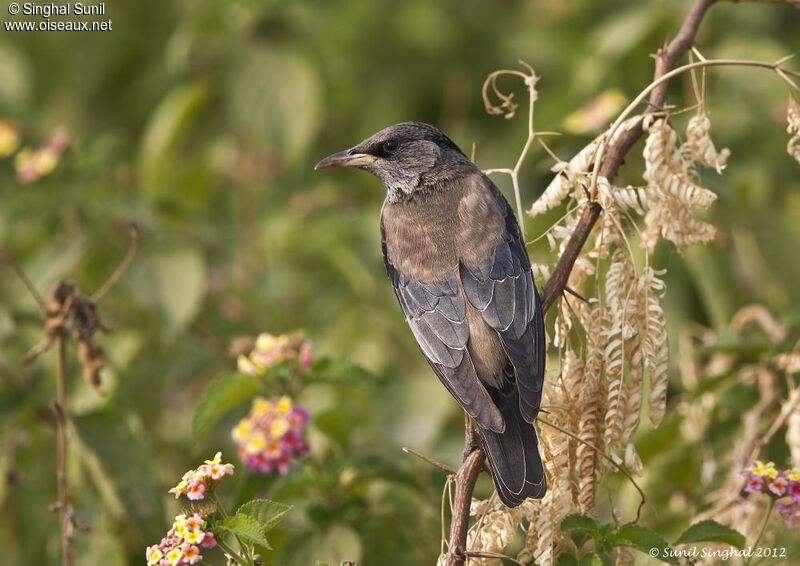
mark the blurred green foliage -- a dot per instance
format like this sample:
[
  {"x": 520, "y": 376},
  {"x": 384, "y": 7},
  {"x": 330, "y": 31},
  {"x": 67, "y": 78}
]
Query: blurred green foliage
[{"x": 201, "y": 121}]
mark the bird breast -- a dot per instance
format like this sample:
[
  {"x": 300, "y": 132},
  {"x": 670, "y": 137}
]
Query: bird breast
[{"x": 427, "y": 236}]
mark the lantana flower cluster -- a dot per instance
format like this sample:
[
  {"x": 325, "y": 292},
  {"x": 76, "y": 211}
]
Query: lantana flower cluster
[
  {"x": 183, "y": 543},
  {"x": 271, "y": 435},
  {"x": 196, "y": 483},
  {"x": 32, "y": 164},
  {"x": 269, "y": 351},
  {"x": 766, "y": 478}
]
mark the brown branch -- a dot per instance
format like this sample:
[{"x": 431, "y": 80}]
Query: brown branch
[
  {"x": 64, "y": 508},
  {"x": 465, "y": 479},
  {"x": 616, "y": 152},
  {"x": 558, "y": 280}
]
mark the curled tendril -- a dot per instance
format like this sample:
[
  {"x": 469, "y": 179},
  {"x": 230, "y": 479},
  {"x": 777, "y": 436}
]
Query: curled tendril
[{"x": 505, "y": 104}]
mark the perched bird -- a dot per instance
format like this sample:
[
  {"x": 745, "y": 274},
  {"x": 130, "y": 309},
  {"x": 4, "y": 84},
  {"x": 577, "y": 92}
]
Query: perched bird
[{"x": 456, "y": 258}]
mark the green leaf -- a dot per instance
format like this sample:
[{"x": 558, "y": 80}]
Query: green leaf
[
  {"x": 179, "y": 276},
  {"x": 579, "y": 522},
  {"x": 246, "y": 527},
  {"x": 276, "y": 101},
  {"x": 169, "y": 126},
  {"x": 222, "y": 395},
  {"x": 711, "y": 531},
  {"x": 268, "y": 513},
  {"x": 645, "y": 539}
]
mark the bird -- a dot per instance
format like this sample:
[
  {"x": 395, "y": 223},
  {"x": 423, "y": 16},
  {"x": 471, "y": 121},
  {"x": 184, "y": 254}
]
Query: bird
[{"x": 456, "y": 258}]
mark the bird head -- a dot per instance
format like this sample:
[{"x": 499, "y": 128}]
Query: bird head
[{"x": 409, "y": 158}]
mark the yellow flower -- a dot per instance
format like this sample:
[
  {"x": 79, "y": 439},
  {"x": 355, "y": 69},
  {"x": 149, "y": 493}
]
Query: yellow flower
[
  {"x": 794, "y": 474},
  {"x": 181, "y": 530},
  {"x": 9, "y": 139},
  {"x": 284, "y": 405},
  {"x": 261, "y": 406},
  {"x": 278, "y": 427},
  {"x": 174, "y": 555},
  {"x": 764, "y": 470},
  {"x": 242, "y": 430},
  {"x": 248, "y": 366},
  {"x": 266, "y": 341},
  {"x": 154, "y": 554},
  {"x": 45, "y": 161},
  {"x": 195, "y": 537},
  {"x": 179, "y": 489},
  {"x": 256, "y": 444},
  {"x": 194, "y": 523}
]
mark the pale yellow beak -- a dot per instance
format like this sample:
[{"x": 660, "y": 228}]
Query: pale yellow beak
[{"x": 346, "y": 159}]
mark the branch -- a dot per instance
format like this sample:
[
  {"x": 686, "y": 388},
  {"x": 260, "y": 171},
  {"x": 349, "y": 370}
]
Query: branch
[
  {"x": 122, "y": 267},
  {"x": 6, "y": 257},
  {"x": 427, "y": 459},
  {"x": 465, "y": 479},
  {"x": 558, "y": 280},
  {"x": 60, "y": 406}
]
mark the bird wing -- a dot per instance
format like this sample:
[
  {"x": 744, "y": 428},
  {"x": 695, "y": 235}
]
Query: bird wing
[
  {"x": 438, "y": 318},
  {"x": 502, "y": 290}
]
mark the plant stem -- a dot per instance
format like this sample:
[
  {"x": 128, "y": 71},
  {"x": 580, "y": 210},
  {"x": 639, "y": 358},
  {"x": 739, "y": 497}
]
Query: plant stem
[
  {"x": 247, "y": 549},
  {"x": 60, "y": 406},
  {"x": 767, "y": 515},
  {"x": 233, "y": 554}
]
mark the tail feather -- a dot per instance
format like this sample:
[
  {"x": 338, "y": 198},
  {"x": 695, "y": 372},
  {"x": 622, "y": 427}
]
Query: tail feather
[{"x": 513, "y": 455}]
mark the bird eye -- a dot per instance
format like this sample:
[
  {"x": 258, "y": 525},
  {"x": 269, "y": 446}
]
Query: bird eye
[{"x": 390, "y": 146}]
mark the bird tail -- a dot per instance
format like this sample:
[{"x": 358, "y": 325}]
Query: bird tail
[{"x": 514, "y": 461}]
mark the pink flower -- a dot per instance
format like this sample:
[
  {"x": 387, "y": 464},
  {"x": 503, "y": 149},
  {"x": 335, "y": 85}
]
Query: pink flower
[
  {"x": 790, "y": 513},
  {"x": 191, "y": 554},
  {"x": 794, "y": 491},
  {"x": 754, "y": 484},
  {"x": 209, "y": 541},
  {"x": 778, "y": 485},
  {"x": 197, "y": 490},
  {"x": 305, "y": 356}
]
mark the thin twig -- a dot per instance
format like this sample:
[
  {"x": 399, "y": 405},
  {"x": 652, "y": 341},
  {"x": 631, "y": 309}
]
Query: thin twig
[
  {"x": 6, "y": 257},
  {"x": 433, "y": 462},
  {"x": 135, "y": 236}
]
